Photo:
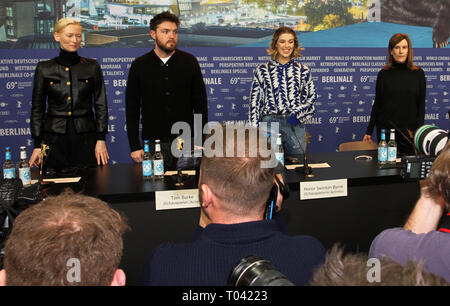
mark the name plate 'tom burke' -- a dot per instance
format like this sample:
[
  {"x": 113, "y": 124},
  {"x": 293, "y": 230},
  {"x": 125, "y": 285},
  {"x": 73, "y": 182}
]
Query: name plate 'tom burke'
[{"x": 176, "y": 199}]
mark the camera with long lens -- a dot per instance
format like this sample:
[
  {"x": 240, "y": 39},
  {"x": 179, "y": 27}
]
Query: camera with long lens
[
  {"x": 429, "y": 141},
  {"x": 256, "y": 271}
]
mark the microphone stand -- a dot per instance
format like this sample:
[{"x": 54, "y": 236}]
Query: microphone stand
[
  {"x": 306, "y": 169},
  {"x": 404, "y": 136}
]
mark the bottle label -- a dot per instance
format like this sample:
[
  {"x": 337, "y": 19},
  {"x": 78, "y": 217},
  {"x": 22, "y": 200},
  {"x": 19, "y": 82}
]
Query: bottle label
[
  {"x": 268, "y": 138},
  {"x": 280, "y": 157},
  {"x": 392, "y": 154},
  {"x": 25, "y": 175},
  {"x": 146, "y": 148},
  {"x": 147, "y": 169},
  {"x": 159, "y": 167},
  {"x": 8, "y": 156},
  {"x": 23, "y": 155},
  {"x": 382, "y": 154},
  {"x": 9, "y": 173},
  {"x": 157, "y": 147}
]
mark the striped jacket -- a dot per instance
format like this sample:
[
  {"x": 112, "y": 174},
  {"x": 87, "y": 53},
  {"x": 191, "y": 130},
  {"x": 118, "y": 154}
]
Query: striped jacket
[{"x": 282, "y": 89}]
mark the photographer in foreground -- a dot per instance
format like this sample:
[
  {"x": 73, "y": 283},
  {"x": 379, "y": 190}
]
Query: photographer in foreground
[
  {"x": 234, "y": 192},
  {"x": 420, "y": 239}
]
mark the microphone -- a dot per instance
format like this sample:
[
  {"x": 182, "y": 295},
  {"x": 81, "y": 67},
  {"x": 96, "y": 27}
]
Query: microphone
[
  {"x": 306, "y": 169},
  {"x": 405, "y": 137}
]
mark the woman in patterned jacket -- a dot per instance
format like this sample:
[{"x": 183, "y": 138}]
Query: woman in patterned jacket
[{"x": 283, "y": 91}]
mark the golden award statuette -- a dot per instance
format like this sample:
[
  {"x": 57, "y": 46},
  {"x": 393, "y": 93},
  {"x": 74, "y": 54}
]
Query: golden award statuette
[
  {"x": 179, "y": 175},
  {"x": 180, "y": 143},
  {"x": 44, "y": 149}
]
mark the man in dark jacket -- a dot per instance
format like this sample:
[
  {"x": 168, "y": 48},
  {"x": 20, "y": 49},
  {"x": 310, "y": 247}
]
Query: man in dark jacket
[
  {"x": 234, "y": 190},
  {"x": 164, "y": 86}
]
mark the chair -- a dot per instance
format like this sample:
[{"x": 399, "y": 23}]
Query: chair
[{"x": 357, "y": 146}]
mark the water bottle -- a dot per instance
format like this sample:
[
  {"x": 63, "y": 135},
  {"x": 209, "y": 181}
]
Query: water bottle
[
  {"x": 24, "y": 167},
  {"x": 147, "y": 167},
  {"x": 158, "y": 161},
  {"x": 392, "y": 149},
  {"x": 382, "y": 149},
  {"x": 9, "y": 170},
  {"x": 268, "y": 139},
  {"x": 279, "y": 151}
]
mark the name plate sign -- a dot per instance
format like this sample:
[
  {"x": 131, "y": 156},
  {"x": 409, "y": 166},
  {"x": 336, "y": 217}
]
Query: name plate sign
[
  {"x": 176, "y": 199},
  {"x": 323, "y": 189}
]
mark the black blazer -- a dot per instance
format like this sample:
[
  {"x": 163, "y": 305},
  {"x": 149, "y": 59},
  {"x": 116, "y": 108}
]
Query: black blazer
[{"x": 62, "y": 92}]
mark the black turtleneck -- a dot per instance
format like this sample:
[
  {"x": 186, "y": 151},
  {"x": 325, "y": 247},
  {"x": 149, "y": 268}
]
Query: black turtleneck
[
  {"x": 400, "y": 98},
  {"x": 67, "y": 58}
]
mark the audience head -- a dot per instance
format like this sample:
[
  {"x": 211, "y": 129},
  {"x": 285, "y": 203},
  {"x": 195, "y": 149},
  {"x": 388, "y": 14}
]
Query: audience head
[
  {"x": 70, "y": 239},
  {"x": 360, "y": 270},
  {"x": 438, "y": 181},
  {"x": 234, "y": 176}
]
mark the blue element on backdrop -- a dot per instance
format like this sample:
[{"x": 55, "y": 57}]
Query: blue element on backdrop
[
  {"x": 361, "y": 35},
  {"x": 344, "y": 79}
]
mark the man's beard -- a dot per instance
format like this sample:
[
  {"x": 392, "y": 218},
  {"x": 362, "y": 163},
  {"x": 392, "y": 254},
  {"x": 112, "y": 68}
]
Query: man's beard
[{"x": 164, "y": 48}]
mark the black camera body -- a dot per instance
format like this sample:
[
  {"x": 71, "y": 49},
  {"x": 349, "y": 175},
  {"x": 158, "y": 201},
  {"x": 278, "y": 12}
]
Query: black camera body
[
  {"x": 271, "y": 205},
  {"x": 429, "y": 140},
  {"x": 14, "y": 198},
  {"x": 416, "y": 167}
]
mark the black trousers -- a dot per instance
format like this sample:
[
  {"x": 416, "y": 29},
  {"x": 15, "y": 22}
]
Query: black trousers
[{"x": 70, "y": 150}]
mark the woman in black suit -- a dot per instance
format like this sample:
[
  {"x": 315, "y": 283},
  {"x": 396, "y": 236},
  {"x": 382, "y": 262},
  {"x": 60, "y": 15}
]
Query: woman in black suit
[{"x": 69, "y": 109}]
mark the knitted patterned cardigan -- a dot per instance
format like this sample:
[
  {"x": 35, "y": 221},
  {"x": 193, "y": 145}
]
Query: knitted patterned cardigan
[{"x": 282, "y": 89}]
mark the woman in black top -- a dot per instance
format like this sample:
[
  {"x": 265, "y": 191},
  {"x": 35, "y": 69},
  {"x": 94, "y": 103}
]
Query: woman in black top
[
  {"x": 69, "y": 111},
  {"x": 400, "y": 95}
]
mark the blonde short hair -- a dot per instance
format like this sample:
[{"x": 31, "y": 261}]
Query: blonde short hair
[{"x": 64, "y": 22}]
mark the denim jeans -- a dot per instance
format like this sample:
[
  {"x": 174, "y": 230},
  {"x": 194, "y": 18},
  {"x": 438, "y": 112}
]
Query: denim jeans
[{"x": 290, "y": 143}]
